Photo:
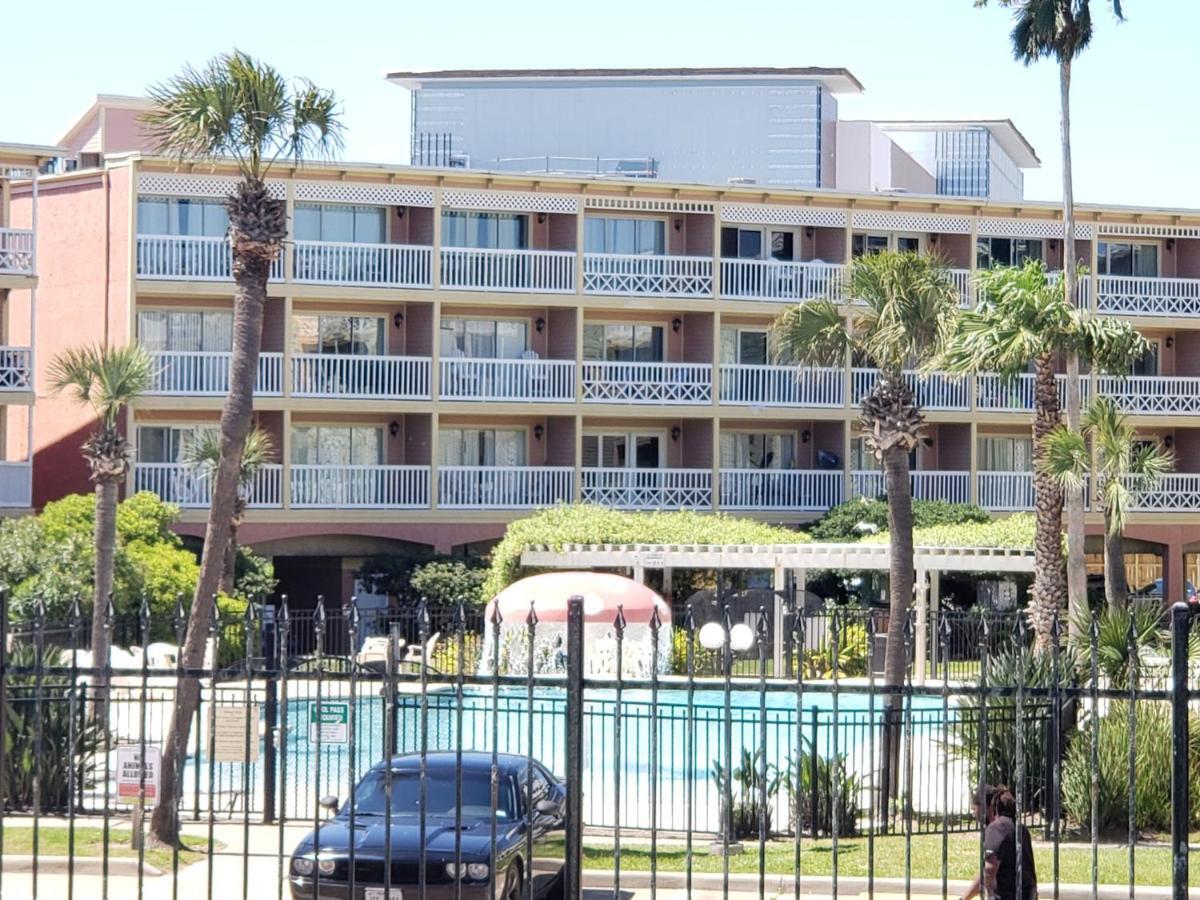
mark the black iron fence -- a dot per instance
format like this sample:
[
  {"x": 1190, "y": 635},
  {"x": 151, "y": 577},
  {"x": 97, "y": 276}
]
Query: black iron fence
[{"x": 637, "y": 752}]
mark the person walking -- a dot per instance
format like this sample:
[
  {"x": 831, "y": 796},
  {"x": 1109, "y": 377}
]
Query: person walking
[{"x": 1001, "y": 839}]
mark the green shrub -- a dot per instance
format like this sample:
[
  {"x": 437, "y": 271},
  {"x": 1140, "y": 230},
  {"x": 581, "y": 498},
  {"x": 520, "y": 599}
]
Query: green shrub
[
  {"x": 750, "y": 779},
  {"x": 808, "y": 808},
  {"x": 443, "y": 583},
  {"x": 843, "y": 522},
  {"x": 1152, "y": 771},
  {"x": 853, "y": 655},
  {"x": 1014, "y": 531},
  {"x": 1112, "y": 640}
]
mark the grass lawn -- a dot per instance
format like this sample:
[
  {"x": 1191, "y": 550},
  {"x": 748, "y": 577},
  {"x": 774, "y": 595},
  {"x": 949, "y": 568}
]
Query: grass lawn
[
  {"x": 1153, "y": 864},
  {"x": 53, "y": 841}
]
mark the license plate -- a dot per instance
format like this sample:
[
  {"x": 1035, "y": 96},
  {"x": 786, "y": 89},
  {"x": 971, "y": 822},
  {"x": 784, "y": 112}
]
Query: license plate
[{"x": 379, "y": 894}]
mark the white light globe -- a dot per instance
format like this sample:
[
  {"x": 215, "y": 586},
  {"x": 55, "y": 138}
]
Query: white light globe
[
  {"x": 741, "y": 637},
  {"x": 712, "y": 636},
  {"x": 592, "y": 605}
]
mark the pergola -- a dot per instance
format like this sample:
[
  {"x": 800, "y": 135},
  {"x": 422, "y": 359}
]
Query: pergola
[{"x": 928, "y": 563}]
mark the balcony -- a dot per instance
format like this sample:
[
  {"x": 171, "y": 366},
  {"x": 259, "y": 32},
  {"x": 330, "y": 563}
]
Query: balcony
[
  {"x": 1005, "y": 491},
  {"x": 1148, "y": 395},
  {"x": 779, "y": 281},
  {"x": 962, "y": 283},
  {"x": 16, "y": 485},
  {"x": 647, "y": 382},
  {"x": 648, "y": 488},
  {"x": 331, "y": 375},
  {"x": 953, "y": 487},
  {"x": 527, "y": 271},
  {"x": 362, "y": 265},
  {"x": 16, "y": 251},
  {"x": 191, "y": 488},
  {"x": 748, "y": 385},
  {"x": 645, "y": 275},
  {"x": 188, "y": 258},
  {"x": 16, "y": 364},
  {"x": 1132, "y": 296},
  {"x": 359, "y": 487},
  {"x": 504, "y": 487},
  {"x": 199, "y": 373},
  {"x": 797, "y": 490},
  {"x": 1177, "y": 492},
  {"x": 933, "y": 392},
  {"x": 547, "y": 380}
]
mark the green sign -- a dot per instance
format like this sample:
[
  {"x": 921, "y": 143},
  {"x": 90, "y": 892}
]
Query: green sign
[{"x": 329, "y": 721}]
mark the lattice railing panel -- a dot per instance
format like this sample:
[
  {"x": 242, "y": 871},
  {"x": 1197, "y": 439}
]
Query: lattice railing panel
[
  {"x": 901, "y": 221},
  {"x": 783, "y": 215},
  {"x": 185, "y": 185},
  {"x": 360, "y": 192},
  {"x": 510, "y": 201}
]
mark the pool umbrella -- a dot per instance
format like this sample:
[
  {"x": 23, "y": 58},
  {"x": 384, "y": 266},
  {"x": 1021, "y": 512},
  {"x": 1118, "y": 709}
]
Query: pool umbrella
[{"x": 602, "y": 594}]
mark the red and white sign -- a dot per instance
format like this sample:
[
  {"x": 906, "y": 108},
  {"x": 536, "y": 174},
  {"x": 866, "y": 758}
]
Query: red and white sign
[{"x": 133, "y": 773}]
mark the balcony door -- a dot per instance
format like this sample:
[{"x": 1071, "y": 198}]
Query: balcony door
[
  {"x": 621, "y": 342},
  {"x": 485, "y": 230},
  {"x": 629, "y": 235},
  {"x": 190, "y": 348},
  {"x": 759, "y": 243},
  {"x": 484, "y": 338},
  {"x": 622, "y": 450},
  {"x": 484, "y": 447},
  {"x": 163, "y": 452},
  {"x": 870, "y": 243}
]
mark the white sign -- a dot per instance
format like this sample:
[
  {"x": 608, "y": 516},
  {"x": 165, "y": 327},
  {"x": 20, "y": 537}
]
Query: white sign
[
  {"x": 653, "y": 561},
  {"x": 132, "y": 774},
  {"x": 329, "y": 722},
  {"x": 229, "y": 733},
  {"x": 378, "y": 894}
]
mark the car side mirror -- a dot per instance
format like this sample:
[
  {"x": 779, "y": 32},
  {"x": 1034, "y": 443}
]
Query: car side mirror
[
  {"x": 329, "y": 802},
  {"x": 546, "y": 807}
]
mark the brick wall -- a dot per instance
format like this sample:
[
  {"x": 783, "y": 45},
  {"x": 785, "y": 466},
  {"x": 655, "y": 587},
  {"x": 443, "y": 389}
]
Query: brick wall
[
  {"x": 418, "y": 329},
  {"x": 417, "y": 429},
  {"x": 697, "y": 337},
  {"x": 560, "y": 333},
  {"x": 696, "y": 443},
  {"x": 560, "y": 441}
]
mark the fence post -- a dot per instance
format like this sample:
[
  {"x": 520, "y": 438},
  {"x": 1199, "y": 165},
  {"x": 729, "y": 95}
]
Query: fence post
[
  {"x": 574, "y": 767},
  {"x": 1180, "y": 801},
  {"x": 270, "y": 712}
]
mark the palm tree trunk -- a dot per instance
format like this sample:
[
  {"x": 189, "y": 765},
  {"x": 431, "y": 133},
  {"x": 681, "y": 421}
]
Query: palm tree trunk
[
  {"x": 229, "y": 565},
  {"x": 1076, "y": 564},
  {"x": 1049, "y": 585},
  {"x": 1116, "y": 585},
  {"x": 106, "y": 554},
  {"x": 898, "y": 483},
  {"x": 257, "y": 228}
]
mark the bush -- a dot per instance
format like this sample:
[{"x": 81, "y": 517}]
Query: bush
[
  {"x": 809, "y": 808},
  {"x": 841, "y": 523},
  {"x": 1014, "y": 531},
  {"x": 1112, "y": 640},
  {"x": 852, "y": 657},
  {"x": 750, "y": 779},
  {"x": 446, "y": 582},
  {"x": 1152, "y": 771}
]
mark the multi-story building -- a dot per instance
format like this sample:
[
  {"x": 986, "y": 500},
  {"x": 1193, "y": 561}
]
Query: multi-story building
[
  {"x": 772, "y": 127},
  {"x": 19, "y": 225},
  {"x": 445, "y": 350}
]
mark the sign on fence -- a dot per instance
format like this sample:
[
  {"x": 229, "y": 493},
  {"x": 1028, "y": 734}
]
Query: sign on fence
[
  {"x": 229, "y": 733},
  {"x": 329, "y": 721},
  {"x": 130, "y": 772}
]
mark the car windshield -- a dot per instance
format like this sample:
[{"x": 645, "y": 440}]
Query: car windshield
[{"x": 370, "y": 797}]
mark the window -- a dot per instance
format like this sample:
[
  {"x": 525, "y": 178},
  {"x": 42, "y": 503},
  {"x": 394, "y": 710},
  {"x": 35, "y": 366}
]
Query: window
[
  {"x": 623, "y": 343},
  {"x": 622, "y": 451},
  {"x": 167, "y": 443},
  {"x": 342, "y": 224},
  {"x": 868, "y": 244},
  {"x": 603, "y": 234},
  {"x": 1005, "y": 454},
  {"x": 747, "y": 346},
  {"x": 481, "y": 447},
  {"x": 1147, "y": 364},
  {"x": 484, "y": 338},
  {"x": 485, "y": 230},
  {"x": 749, "y": 243},
  {"x": 1140, "y": 260},
  {"x": 350, "y": 335},
  {"x": 177, "y": 330},
  {"x": 995, "y": 251},
  {"x": 337, "y": 445},
  {"x": 182, "y": 216},
  {"x": 744, "y": 450},
  {"x": 863, "y": 460}
]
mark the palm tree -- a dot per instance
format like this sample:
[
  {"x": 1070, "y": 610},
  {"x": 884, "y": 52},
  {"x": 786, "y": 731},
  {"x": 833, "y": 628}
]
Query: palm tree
[
  {"x": 1023, "y": 319},
  {"x": 907, "y": 312},
  {"x": 1124, "y": 467},
  {"x": 204, "y": 454},
  {"x": 1061, "y": 30},
  {"x": 107, "y": 379},
  {"x": 240, "y": 110}
]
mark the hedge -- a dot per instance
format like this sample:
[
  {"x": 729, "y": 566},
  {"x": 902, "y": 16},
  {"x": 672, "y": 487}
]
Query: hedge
[
  {"x": 843, "y": 522},
  {"x": 586, "y": 524},
  {"x": 1016, "y": 531}
]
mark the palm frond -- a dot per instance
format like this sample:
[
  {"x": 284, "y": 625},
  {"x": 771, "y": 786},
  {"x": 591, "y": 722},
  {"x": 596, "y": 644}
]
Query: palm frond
[
  {"x": 812, "y": 333},
  {"x": 1110, "y": 344},
  {"x": 105, "y": 378},
  {"x": 204, "y": 452},
  {"x": 1065, "y": 457}
]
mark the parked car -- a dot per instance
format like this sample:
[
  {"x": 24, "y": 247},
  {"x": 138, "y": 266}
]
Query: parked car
[
  {"x": 1155, "y": 590},
  {"x": 322, "y": 859}
]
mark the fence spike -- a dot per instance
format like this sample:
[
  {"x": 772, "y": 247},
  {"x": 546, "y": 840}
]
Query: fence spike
[
  {"x": 423, "y": 619},
  {"x": 179, "y": 618},
  {"x": 619, "y": 620},
  {"x": 655, "y": 622},
  {"x": 75, "y": 613},
  {"x": 761, "y": 626},
  {"x": 214, "y": 621},
  {"x": 353, "y": 620},
  {"x": 284, "y": 616},
  {"x": 531, "y": 619},
  {"x": 689, "y": 618},
  {"x": 110, "y": 613},
  {"x": 144, "y": 620},
  {"x": 460, "y": 616}
]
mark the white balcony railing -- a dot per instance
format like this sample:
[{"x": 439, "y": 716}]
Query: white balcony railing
[
  {"x": 359, "y": 487},
  {"x": 962, "y": 283},
  {"x": 205, "y": 373},
  {"x": 360, "y": 377},
  {"x": 16, "y": 252},
  {"x": 935, "y": 391},
  {"x": 954, "y": 487},
  {"x": 191, "y": 488},
  {"x": 15, "y": 369},
  {"x": 747, "y": 385},
  {"x": 647, "y": 275},
  {"x": 189, "y": 258},
  {"x": 508, "y": 379},
  {"x": 801, "y": 490},
  {"x": 1005, "y": 491},
  {"x": 1176, "y": 492},
  {"x": 647, "y": 382},
  {"x": 546, "y": 271},
  {"x": 648, "y": 488},
  {"x": 1134, "y": 296},
  {"x": 997, "y": 393},
  {"x": 1150, "y": 395},
  {"x": 16, "y": 484},
  {"x": 366, "y": 265},
  {"x": 504, "y": 487},
  {"x": 785, "y": 282}
]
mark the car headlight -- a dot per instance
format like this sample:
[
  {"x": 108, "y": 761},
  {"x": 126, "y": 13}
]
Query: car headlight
[
  {"x": 326, "y": 866},
  {"x": 477, "y": 871},
  {"x": 454, "y": 871},
  {"x": 302, "y": 866}
]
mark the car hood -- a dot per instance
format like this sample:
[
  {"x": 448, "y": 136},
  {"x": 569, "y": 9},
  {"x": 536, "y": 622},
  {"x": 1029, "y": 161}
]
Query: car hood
[{"x": 369, "y": 837}]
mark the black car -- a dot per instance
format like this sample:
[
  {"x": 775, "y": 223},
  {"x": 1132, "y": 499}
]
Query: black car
[{"x": 322, "y": 859}]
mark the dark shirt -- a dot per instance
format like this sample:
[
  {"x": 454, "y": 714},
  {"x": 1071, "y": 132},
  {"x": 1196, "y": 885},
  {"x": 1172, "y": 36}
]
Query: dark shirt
[{"x": 1000, "y": 841}]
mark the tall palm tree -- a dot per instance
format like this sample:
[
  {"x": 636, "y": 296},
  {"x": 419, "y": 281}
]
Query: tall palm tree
[
  {"x": 1061, "y": 30},
  {"x": 240, "y": 110},
  {"x": 1023, "y": 319},
  {"x": 907, "y": 312},
  {"x": 107, "y": 379},
  {"x": 204, "y": 454},
  {"x": 1123, "y": 467}
]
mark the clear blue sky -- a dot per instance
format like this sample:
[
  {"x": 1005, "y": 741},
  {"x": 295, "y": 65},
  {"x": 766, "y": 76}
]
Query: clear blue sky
[{"x": 1135, "y": 130}]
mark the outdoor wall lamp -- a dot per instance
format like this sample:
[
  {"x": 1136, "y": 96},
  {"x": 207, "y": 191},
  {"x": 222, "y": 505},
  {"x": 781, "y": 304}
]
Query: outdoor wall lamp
[
  {"x": 676, "y": 324},
  {"x": 805, "y": 436},
  {"x": 1169, "y": 441},
  {"x": 678, "y": 223},
  {"x": 400, "y": 212},
  {"x": 394, "y": 428},
  {"x": 398, "y": 319},
  {"x": 927, "y": 441},
  {"x": 1170, "y": 243},
  {"x": 933, "y": 238},
  {"x": 1170, "y": 341},
  {"x": 540, "y": 324},
  {"x": 808, "y": 232},
  {"x": 538, "y": 431},
  {"x": 675, "y": 433},
  {"x": 541, "y": 218}
]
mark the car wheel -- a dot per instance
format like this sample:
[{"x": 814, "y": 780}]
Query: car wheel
[{"x": 512, "y": 883}]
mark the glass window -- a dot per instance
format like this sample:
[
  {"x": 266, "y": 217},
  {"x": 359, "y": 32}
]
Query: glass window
[
  {"x": 605, "y": 234},
  {"x": 868, "y": 244},
  {"x": 182, "y": 216},
  {"x": 167, "y": 443},
  {"x": 1127, "y": 259},
  {"x": 621, "y": 451},
  {"x": 1005, "y": 454},
  {"x": 484, "y": 338},
  {"x": 481, "y": 447},
  {"x": 485, "y": 230},
  {"x": 340, "y": 223},
  {"x": 161, "y": 330},
  {"x": 337, "y": 445},
  {"x": 352, "y": 335},
  {"x": 1147, "y": 364},
  {"x": 783, "y": 245},
  {"x": 908, "y": 244},
  {"x": 996, "y": 251},
  {"x": 745, "y": 450},
  {"x": 623, "y": 343}
]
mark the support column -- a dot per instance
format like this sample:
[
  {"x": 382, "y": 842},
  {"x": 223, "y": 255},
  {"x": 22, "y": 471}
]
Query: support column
[
  {"x": 973, "y": 484},
  {"x": 433, "y": 459},
  {"x": 847, "y": 480},
  {"x": 920, "y": 641},
  {"x": 779, "y": 583},
  {"x": 935, "y": 631},
  {"x": 285, "y": 459},
  {"x": 436, "y": 268}
]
